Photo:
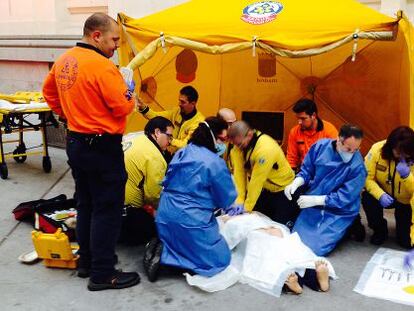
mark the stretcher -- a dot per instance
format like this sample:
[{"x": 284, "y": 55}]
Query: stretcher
[{"x": 15, "y": 110}]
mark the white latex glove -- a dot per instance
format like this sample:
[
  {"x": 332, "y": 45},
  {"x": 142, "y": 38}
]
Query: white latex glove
[
  {"x": 306, "y": 201},
  {"x": 293, "y": 186}
]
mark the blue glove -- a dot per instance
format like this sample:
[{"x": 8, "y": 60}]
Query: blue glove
[
  {"x": 408, "y": 260},
  {"x": 403, "y": 168},
  {"x": 235, "y": 209},
  {"x": 386, "y": 200},
  {"x": 131, "y": 88}
]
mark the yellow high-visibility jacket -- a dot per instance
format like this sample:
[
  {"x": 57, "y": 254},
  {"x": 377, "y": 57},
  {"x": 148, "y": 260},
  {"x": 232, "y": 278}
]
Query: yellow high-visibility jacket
[
  {"x": 264, "y": 166},
  {"x": 227, "y": 157},
  {"x": 146, "y": 168},
  {"x": 383, "y": 177},
  {"x": 182, "y": 128}
]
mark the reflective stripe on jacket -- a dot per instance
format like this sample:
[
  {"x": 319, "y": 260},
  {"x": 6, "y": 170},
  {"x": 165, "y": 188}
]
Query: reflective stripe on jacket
[{"x": 264, "y": 167}]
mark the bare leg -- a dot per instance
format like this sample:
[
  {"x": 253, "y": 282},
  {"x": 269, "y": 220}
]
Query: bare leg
[
  {"x": 322, "y": 274},
  {"x": 273, "y": 231},
  {"x": 293, "y": 284}
]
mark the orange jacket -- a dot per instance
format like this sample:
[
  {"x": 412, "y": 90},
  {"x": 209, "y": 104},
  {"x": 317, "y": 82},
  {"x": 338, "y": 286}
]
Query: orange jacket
[
  {"x": 85, "y": 88},
  {"x": 300, "y": 141}
]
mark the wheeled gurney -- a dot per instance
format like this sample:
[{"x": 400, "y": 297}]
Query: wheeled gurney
[{"x": 15, "y": 112}]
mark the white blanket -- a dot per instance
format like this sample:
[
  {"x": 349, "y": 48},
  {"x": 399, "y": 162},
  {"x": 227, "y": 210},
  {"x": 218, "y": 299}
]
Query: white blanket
[
  {"x": 384, "y": 277},
  {"x": 8, "y": 106},
  {"x": 259, "y": 259}
]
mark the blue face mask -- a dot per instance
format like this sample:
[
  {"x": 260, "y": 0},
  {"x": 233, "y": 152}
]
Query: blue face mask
[
  {"x": 345, "y": 156},
  {"x": 220, "y": 148}
]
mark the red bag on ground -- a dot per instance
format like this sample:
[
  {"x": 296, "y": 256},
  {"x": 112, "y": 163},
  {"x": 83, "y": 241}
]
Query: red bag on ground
[{"x": 25, "y": 211}]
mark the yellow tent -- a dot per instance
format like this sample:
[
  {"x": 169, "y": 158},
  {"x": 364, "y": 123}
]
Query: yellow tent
[{"x": 263, "y": 56}]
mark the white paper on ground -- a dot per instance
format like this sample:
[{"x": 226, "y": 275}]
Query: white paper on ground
[{"x": 384, "y": 277}]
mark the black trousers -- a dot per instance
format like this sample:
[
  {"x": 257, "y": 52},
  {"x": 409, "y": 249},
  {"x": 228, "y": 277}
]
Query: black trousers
[
  {"x": 138, "y": 226},
  {"x": 98, "y": 169},
  {"x": 309, "y": 279},
  {"x": 276, "y": 206},
  {"x": 377, "y": 222}
]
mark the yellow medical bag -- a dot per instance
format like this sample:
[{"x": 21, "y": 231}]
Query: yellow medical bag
[{"x": 55, "y": 249}]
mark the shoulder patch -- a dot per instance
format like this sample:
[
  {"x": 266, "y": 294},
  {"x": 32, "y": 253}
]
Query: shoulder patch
[
  {"x": 369, "y": 156},
  {"x": 262, "y": 160}
]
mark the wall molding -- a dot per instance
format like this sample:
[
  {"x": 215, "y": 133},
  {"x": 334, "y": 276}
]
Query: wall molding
[{"x": 88, "y": 9}]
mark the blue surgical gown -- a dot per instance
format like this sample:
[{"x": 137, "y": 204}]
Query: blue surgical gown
[
  {"x": 324, "y": 172},
  {"x": 196, "y": 183}
]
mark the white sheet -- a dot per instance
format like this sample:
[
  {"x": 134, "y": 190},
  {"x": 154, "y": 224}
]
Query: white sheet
[
  {"x": 11, "y": 107},
  {"x": 261, "y": 260}
]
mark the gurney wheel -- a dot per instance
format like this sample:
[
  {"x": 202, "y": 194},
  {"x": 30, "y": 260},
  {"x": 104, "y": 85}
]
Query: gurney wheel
[
  {"x": 19, "y": 150},
  {"x": 47, "y": 164},
  {"x": 4, "y": 172}
]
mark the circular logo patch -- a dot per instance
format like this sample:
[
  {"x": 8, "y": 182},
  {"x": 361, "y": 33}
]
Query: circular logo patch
[
  {"x": 67, "y": 73},
  {"x": 261, "y": 12}
]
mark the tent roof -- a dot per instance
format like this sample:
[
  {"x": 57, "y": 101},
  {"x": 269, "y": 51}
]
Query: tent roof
[{"x": 300, "y": 24}]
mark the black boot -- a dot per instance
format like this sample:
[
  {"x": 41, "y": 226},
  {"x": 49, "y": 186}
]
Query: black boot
[
  {"x": 379, "y": 236},
  {"x": 118, "y": 281},
  {"x": 152, "y": 259},
  {"x": 357, "y": 230}
]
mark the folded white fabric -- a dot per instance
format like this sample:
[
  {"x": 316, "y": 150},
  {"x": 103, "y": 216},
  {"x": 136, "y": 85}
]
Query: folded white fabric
[{"x": 12, "y": 107}]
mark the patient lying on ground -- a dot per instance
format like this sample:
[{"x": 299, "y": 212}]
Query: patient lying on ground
[{"x": 268, "y": 257}]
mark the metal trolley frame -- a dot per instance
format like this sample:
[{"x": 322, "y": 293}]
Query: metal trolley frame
[{"x": 16, "y": 122}]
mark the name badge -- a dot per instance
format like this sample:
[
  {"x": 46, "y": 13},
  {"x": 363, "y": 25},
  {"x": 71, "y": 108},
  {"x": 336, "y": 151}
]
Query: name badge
[{"x": 380, "y": 167}]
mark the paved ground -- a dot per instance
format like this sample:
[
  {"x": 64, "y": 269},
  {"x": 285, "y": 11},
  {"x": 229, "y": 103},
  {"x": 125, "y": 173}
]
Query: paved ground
[{"x": 35, "y": 287}]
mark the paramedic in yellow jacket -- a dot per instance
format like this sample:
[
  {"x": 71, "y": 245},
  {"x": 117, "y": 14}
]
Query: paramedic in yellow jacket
[
  {"x": 146, "y": 165},
  {"x": 185, "y": 117},
  {"x": 390, "y": 184},
  {"x": 261, "y": 173}
]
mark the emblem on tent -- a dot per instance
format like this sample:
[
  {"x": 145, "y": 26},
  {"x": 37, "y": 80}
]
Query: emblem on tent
[{"x": 261, "y": 12}]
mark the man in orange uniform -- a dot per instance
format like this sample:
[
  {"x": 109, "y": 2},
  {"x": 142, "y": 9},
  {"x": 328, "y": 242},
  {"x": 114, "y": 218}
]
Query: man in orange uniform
[
  {"x": 85, "y": 88},
  {"x": 309, "y": 130}
]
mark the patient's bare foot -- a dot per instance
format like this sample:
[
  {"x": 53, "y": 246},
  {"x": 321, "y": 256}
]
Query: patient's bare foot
[
  {"x": 322, "y": 275},
  {"x": 293, "y": 284}
]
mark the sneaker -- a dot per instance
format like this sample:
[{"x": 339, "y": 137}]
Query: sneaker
[
  {"x": 152, "y": 266},
  {"x": 118, "y": 281}
]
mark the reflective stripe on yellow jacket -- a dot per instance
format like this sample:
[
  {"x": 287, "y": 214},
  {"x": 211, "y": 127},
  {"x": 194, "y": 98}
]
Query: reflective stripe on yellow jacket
[
  {"x": 380, "y": 171},
  {"x": 227, "y": 158},
  {"x": 182, "y": 129},
  {"x": 146, "y": 168},
  {"x": 269, "y": 169},
  {"x": 412, "y": 221}
]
